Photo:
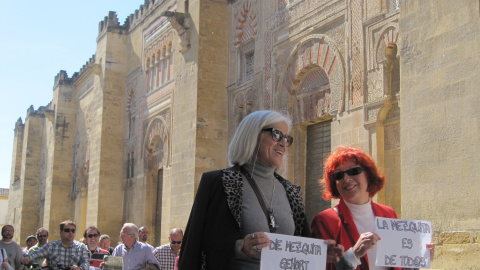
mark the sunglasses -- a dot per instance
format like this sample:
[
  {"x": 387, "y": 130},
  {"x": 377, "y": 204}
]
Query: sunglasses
[
  {"x": 277, "y": 136},
  {"x": 352, "y": 171},
  {"x": 38, "y": 236},
  {"x": 92, "y": 235},
  {"x": 176, "y": 242},
  {"x": 69, "y": 230}
]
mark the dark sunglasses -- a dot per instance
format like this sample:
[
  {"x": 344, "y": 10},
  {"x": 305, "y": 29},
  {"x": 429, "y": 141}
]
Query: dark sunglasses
[
  {"x": 38, "y": 236},
  {"x": 92, "y": 235},
  {"x": 176, "y": 242},
  {"x": 352, "y": 171},
  {"x": 69, "y": 230},
  {"x": 277, "y": 136}
]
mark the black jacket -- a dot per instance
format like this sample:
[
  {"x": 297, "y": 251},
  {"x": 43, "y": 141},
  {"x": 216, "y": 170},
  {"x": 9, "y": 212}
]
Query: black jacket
[{"x": 214, "y": 224}]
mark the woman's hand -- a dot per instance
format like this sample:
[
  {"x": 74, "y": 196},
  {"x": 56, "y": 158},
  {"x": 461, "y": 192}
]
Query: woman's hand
[
  {"x": 365, "y": 242},
  {"x": 334, "y": 253},
  {"x": 431, "y": 247},
  {"x": 254, "y": 242}
]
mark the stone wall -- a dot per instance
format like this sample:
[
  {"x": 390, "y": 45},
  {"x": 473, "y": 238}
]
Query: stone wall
[{"x": 440, "y": 75}]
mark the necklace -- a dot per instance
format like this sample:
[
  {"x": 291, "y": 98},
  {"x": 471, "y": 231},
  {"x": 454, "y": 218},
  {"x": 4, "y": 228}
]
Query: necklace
[{"x": 268, "y": 212}]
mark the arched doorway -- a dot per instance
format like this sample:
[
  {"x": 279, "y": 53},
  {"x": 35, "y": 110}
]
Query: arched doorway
[
  {"x": 314, "y": 79},
  {"x": 156, "y": 157}
]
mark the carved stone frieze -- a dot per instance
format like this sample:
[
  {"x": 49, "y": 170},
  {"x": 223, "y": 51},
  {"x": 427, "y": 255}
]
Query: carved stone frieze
[
  {"x": 375, "y": 85},
  {"x": 371, "y": 112}
]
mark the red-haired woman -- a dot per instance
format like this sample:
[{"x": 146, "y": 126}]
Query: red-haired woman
[{"x": 352, "y": 176}]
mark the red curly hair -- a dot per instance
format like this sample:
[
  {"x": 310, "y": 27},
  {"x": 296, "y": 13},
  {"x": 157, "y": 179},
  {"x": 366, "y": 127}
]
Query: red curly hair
[{"x": 376, "y": 179}]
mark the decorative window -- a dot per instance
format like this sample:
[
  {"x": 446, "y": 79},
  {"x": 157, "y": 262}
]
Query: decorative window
[
  {"x": 395, "y": 4},
  {"x": 249, "y": 65},
  {"x": 247, "y": 62}
]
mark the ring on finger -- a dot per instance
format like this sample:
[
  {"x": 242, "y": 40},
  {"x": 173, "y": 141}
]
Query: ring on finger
[
  {"x": 255, "y": 248},
  {"x": 252, "y": 236}
]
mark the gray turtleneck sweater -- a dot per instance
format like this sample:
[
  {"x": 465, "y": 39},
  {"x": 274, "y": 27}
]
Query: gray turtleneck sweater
[{"x": 253, "y": 217}]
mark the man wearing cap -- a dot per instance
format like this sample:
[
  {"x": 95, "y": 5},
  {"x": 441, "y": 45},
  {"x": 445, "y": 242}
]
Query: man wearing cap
[
  {"x": 31, "y": 241},
  {"x": 65, "y": 252},
  {"x": 42, "y": 237},
  {"x": 14, "y": 251}
]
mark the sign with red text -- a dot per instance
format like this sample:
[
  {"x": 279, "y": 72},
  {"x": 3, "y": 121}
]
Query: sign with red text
[
  {"x": 403, "y": 242},
  {"x": 288, "y": 252}
]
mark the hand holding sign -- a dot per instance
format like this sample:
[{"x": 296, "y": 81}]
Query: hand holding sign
[
  {"x": 365, "y": 242},
  {"x": 334, "y": 252},
  {"x": 288, "y": 252},
  {"x": 253, "y": 243},
  {"x": 406, "y": 243}
]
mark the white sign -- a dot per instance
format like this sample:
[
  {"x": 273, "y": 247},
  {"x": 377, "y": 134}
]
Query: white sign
[
  {"x": 288, "y": 252},
  {"x": 403, "y": 242}
]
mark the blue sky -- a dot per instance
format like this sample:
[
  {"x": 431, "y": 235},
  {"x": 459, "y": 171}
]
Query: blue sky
[{"x": 37, "y": 40}]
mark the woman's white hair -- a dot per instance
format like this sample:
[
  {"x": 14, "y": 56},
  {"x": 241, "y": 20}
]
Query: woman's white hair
[{"x": 244, "y": 143}]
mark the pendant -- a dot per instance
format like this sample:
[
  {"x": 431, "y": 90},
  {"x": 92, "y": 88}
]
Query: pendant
[{"x": 273, "y": 223}]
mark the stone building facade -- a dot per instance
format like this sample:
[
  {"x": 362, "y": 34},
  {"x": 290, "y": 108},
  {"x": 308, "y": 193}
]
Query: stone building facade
[{"x": 127, "y": 138}]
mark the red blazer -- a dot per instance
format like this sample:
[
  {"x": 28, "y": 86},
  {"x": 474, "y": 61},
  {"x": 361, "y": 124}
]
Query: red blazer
[{"x": 327, "y": 225}]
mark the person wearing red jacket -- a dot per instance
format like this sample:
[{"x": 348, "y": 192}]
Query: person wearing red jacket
[{"x": 352, "y": 176}]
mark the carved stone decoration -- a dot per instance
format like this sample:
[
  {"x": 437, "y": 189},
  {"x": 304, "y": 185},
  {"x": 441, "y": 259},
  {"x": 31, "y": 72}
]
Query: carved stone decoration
[
  {"x": 389, "y": 35},
  {"x": 375, "y": 85},
  {"x": 157, "y": 145},
  {"x": 244, "y": 104},
  {"x": 158, "y": 58},
  {"x": 315, "y": 54},
  {"x": 312, "y": 97},
  {"x": 246, "y": 23},
  {"x": 371, "y": 114},
  {"x": 357, "y": 54}
]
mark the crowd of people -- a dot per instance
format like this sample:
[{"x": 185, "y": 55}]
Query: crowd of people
[
  {"x": 89, "y": 252},
  {"x": 233, "y": 207}
]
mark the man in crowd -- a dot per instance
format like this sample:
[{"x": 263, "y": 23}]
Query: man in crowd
[
  {"x": 66, "y": 251},
  {"x": 143, "y": 235},
  {"x": 136, "y": 255},
  {"x": 92, "y": 234},
  {"x": 14, "y": 251},
  {"x": 167, "y": 253},
  {"x": 105, "y": 243},
  {"x": 42, "y": 237}
]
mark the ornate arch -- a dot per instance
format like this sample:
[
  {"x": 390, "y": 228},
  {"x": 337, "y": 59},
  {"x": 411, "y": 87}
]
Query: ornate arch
[
  {"x": 157, "y": 133},
  {"x": 158, "y": 50},
  {"x": 389, "y": 34},
  {"x": 312, "y": 53},
  {"x": 246, "y": 24}
]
